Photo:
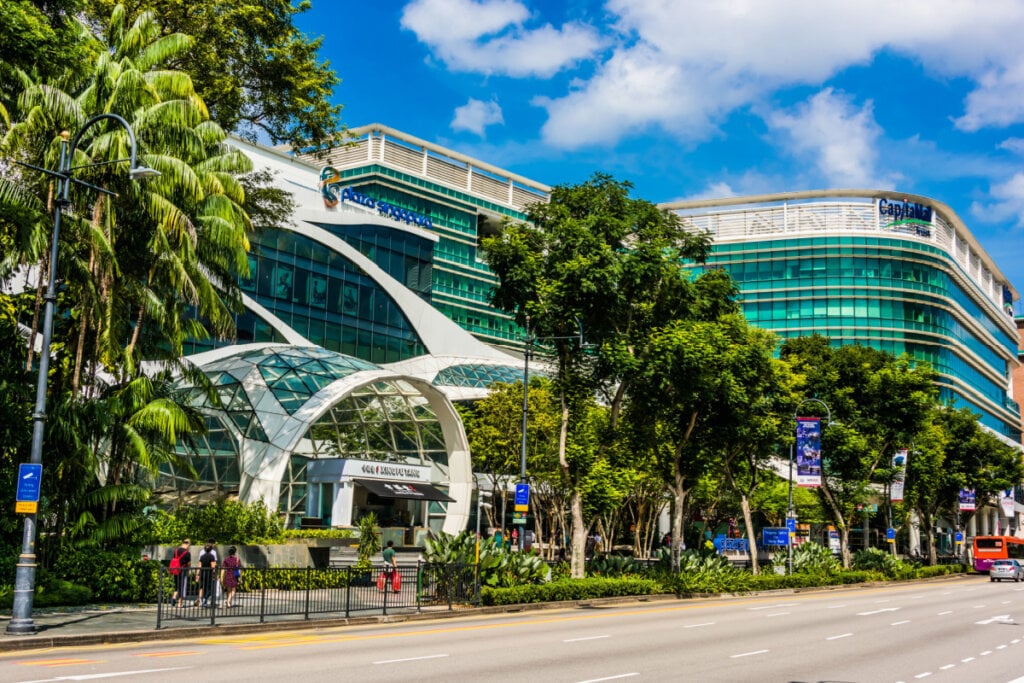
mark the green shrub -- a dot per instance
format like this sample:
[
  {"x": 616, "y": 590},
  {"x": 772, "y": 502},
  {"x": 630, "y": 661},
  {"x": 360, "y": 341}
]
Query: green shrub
[
  {"x": 874, "y": 559},
  {"x": 499, "y": 566},
  {"x": 614, "y": 565},
  {"x": 317, "y": 533},
  {"x": 571, "y": 589},
  {"x": 226, "y": 521},
  {"x": 814, "y": 559},
  {"x": 111, "y": 576}
]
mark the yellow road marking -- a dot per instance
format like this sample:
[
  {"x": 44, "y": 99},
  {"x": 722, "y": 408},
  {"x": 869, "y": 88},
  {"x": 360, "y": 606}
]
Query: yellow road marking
[{"x": 59, "y": 662}]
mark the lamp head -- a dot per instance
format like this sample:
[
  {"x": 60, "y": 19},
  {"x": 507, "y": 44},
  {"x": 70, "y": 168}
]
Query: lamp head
[{"x": 139, "y": 172}]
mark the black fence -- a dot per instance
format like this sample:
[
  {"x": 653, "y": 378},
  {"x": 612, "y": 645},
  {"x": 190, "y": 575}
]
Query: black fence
[{"x": 276, "y": 593}]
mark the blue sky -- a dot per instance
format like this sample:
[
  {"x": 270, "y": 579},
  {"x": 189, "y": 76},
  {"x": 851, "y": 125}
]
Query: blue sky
[{"x": 707, "y": 98}]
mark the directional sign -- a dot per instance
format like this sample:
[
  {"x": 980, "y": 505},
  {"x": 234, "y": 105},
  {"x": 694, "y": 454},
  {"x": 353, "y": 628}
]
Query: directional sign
[
  {"x": 775, "y": 535},
  {"x": 959, "y": 537},
  {"x": 791, "y": 524},
  {"x": 522, "y": 494},
  {"x": 1001, "y": 619},
  {"x": 30, "y": 477},
  {"x": 890, "y": 535}
]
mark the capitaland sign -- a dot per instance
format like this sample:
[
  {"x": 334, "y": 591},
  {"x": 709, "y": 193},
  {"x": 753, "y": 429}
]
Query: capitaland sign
[
  {"x": 909, "y": 216},
  {"x": 333, "y": 192}
]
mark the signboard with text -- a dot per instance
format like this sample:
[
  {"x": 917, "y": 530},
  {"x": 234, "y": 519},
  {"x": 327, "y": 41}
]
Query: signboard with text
[{"x": 30, "y": 478}]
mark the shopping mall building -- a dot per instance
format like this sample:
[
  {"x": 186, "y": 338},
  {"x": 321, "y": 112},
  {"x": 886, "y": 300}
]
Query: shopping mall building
[{"x": 367, "y": 318}]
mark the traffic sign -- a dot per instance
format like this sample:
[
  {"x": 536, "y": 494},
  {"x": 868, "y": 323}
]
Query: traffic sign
[
  {"x": 519, "y": 518},
  {"x": 30, "y": 477},
  {"x": 772, "y": 535},
  {"x": 890, "y": 535},
  {"x": 959, "y": 537},
  {"x": 791, "y": 524}
]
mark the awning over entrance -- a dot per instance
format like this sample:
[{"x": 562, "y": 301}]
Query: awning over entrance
[{"x": 403, "y": 489}]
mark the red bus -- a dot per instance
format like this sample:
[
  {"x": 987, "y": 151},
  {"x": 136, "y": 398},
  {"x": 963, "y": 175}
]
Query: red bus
[{"x": 989, "y": 548}]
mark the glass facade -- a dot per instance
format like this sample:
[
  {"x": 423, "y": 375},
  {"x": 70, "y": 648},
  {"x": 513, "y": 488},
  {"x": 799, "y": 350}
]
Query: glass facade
[
  {"x": 895, "y": 295},
  {"x": 329, "y": 301},
  {"x": 461, "y": 283}
]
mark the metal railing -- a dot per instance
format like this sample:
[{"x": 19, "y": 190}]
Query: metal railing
[{"x": 278, "y": 593}]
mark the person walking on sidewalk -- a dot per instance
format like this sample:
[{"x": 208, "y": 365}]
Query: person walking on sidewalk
[
  {"x": 184, "y": 557},
  {"x": 208, "y": 576},
  {"x": 390, "y": 566},
  {"x": 231, "y": 572}
]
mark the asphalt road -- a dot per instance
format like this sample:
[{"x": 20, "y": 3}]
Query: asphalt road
[{"x": 960, "y": 629}]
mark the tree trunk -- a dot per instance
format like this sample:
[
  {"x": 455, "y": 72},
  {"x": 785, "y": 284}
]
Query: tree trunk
[
  {"x": 751, "y": 536},
  {"x": 678, "y": 502},
  {"x": 578, "y": 565}
]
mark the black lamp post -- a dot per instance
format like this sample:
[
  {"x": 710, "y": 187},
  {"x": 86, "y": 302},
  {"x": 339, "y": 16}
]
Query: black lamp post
[
  {"x": 25, "y": 575},
  {"x": 790, "y": 511}
]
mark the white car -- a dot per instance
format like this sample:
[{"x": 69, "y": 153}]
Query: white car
[{"x": 1006, "y": 569}]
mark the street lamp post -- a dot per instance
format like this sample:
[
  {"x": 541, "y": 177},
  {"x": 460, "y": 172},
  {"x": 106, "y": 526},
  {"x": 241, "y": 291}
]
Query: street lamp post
[
  {"x": 25, "y": 574},
  {"x": 790, "y": 511},
  {"x": 527, "y": 351}
]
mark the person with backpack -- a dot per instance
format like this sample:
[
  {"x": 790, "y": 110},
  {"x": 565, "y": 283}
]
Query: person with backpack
[{"x": 179, "y": 567}]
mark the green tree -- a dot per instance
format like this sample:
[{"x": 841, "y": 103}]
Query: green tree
[
  {"x": 258, "y": 75},
  {"x": 597, "y": 259},
  {"x": 880, "y": 403}
]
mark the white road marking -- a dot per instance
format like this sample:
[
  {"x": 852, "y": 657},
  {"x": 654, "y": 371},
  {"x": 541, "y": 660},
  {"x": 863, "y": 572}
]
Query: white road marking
[
  {"x": 777, "y": 614},
  {"x": 978, "y": 606},
  {"x": 785, "y": 604},
  {"x": 408, "y": 659},
  {"x": 916, "y": 597},
  {"x": 610, "y": 678},
  {"x": 926, "y": 674},
  {"x": 841, "y": 635},
  {"x": 969, "y": 659},
  {"x": 579, "y": 640},
  {"x": 986, "y": 653},
  {"x": 947, "y": 666},
  {"x": 1014, "y": 641},
  {"x": 881, "y": 601},
  {"x": 942, "y": 614},
  {"x": 835, "y": 606},
  {"x": 877, "y": 611},
  {"x": 1000, "y": 647},
  {"x": 900, "y": 623},
  {"x": 747, "y": 654},
  {"x": 1006, "y": 602},
  {"x": 91, "y": 677},
  {"x": 706, "y": 623},
  {"x": 1002, "y": 619}
]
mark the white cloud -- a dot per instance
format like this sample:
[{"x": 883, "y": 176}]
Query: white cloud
[
  {"x": 476, "y": 115},
  {"x": 1007, "y": 205},
  {"x": 998, "y": 101},
  {"x": 490, "y": 37},
  {"x": 718, "y": 56},
  {"x": 1015, "y": 145},
  {"x": 836, "y": 136}
]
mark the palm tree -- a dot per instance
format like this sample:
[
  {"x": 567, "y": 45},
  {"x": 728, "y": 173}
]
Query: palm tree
[{"x": 133, "y": 262}]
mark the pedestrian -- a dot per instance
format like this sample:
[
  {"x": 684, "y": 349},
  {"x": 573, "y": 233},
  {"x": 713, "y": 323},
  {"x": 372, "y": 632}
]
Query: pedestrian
[
  {"x": 390, "y": 569},
  {"x": 231, "y": 573},
  {"x": 183, "y": 558},
  {"x": 207, "y": 576},
  {"x": 515, "y": 538}
]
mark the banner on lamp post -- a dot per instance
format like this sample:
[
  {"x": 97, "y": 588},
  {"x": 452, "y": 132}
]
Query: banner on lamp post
[
  {"x": 967, "y": 500},
  {"x": 899, "y": 465},
  {"x": 808, "y": 451},
  {"x": 1007, "y": 502}
]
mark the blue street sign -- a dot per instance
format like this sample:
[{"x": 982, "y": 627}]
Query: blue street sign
[
  {"x": 890, "y": 534},
  {"x": 959, "y": 537},
  {"x": 522, "y": 494},
  {"x": 791, "y": 524},
  {"x": 30, "y": 477},
  {"x": 772, "y": 535}
]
